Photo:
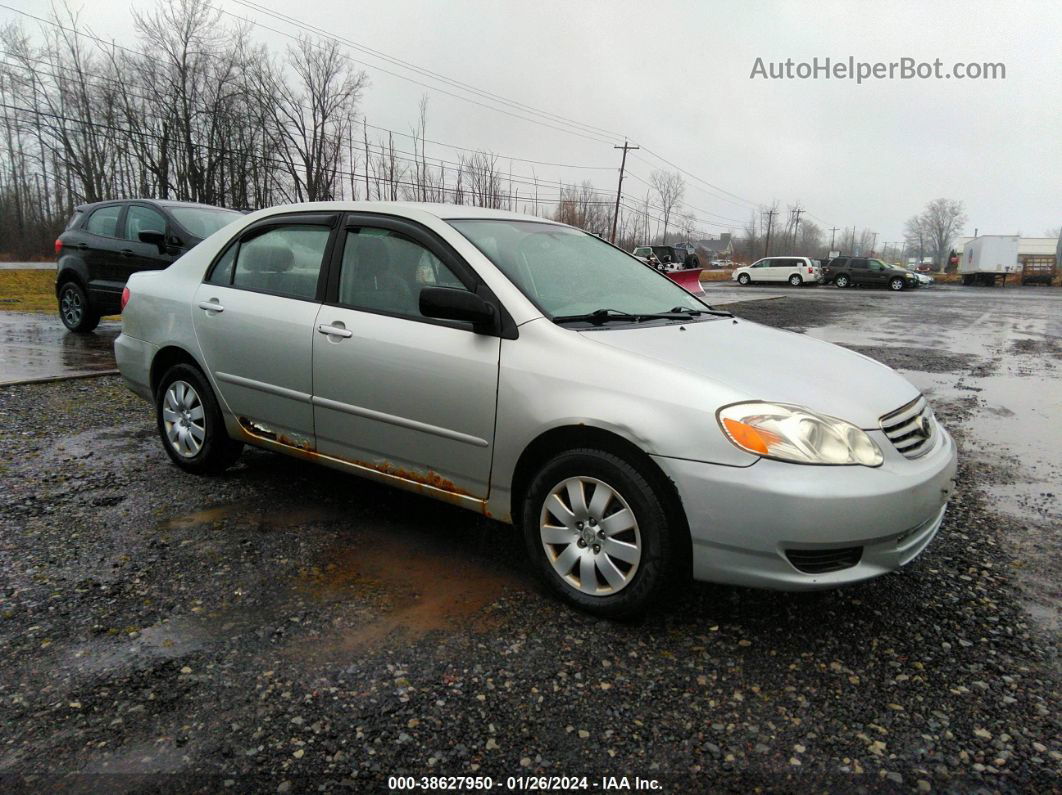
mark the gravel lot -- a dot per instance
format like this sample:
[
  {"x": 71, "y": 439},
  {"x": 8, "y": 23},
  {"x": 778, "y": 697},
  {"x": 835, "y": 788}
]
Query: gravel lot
[{"x": 287, "y": 627}]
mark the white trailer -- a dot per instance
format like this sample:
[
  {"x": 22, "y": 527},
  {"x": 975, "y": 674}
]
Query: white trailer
[{"x": 988, "y": 258}]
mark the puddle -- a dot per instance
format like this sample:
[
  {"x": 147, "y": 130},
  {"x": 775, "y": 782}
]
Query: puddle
[
  {"x": 35, "y": 346},
  {"x": 433, "y": 569},
  {"x": 418, "y": 584}
]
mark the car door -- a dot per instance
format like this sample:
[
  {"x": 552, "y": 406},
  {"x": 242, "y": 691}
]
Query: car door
[
  {"x": 859, "y": 271},
  {"x": 254, "y": 317},
  {"x": 759, "y": 271},
  {"x": 768, "y": 273},
  {"x": 878, "y": 272},
  {"x": 393, "y": 390},
  {"x": 139, "y": 256},
  {"x": 101, "y": 251}
]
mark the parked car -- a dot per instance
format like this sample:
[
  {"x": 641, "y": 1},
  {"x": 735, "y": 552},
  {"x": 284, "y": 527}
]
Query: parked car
[
  {"x": 795, "y": 270},
  {"x": 668, "y": 258},
  {"x": 924, "y": 279},
  {"x": 105, "y": 242},
  {"x": 535, "y": 374},
  {"x": 868, "y": 272}
]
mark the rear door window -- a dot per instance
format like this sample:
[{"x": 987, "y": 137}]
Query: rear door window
[
  {"x": 104, "y": 221},
  {"x": 859, "y": 264},
  {"x": 283, "y": 260}
]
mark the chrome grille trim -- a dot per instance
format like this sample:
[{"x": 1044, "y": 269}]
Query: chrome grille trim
[{"x": 910, "y": 428}]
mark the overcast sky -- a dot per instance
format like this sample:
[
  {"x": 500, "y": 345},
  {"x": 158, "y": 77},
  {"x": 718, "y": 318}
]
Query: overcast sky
[{"x": 675, "y": 77}]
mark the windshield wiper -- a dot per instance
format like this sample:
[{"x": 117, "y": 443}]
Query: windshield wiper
[
  {"x": 696, "y": 312},
  {"x": 599, "y": 316}
]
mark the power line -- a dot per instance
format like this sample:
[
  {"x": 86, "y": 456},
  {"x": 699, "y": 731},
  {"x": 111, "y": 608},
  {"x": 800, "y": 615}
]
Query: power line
[{"x": 736, "y": 199}]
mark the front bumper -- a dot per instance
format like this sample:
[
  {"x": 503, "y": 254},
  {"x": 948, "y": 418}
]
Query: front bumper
[{"x": 743, "y": 520}]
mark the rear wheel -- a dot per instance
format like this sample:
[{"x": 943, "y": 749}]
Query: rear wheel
[
  {"x": 744, "y": 279},
  {"x": 795, "y": 280},
  {"x": 896, "y": 284},
  {"x": 75, "y": 310},
  {"x": 190, "y": 423},
  {"x": 597, "y": 532},
  {"x": 841, "y": 281}
]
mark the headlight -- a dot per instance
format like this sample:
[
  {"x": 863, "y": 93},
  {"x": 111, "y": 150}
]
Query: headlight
[{"x": 797, "y": 434}]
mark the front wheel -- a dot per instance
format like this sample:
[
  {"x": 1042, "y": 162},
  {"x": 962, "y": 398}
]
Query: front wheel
[
  {"x": 795, "y": 280},
  {"x": 190, "y": 423},
  {"x": 896, "y": 284},
  {"x": 597, "y": 532},
  {"x": 75, "y": 310},
  {"x": 744, "y": 279}
]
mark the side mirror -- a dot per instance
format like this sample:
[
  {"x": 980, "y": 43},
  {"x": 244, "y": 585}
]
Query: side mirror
[
  {"x": 153, "y": 237},
  {"x": 448, "y": 303}
]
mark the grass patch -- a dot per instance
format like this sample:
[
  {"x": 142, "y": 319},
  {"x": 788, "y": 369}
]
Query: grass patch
[{"x": 27, "y": 291}]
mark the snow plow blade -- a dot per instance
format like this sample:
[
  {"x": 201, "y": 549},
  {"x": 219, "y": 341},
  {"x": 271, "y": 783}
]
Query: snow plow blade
[{"x": 688, "y": 279}]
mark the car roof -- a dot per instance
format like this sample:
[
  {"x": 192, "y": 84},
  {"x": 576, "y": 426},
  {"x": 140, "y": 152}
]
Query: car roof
[
  {"x": 157, "y": 202},
  {"x": 444, "y": 212}
]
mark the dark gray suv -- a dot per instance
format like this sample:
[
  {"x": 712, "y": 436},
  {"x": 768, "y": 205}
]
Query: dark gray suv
[{"x": 105, "y": 242}]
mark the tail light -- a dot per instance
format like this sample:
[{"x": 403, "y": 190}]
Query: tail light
[
  {"x": 125, "y": 297},
  {"x": 58, "y": 247}
]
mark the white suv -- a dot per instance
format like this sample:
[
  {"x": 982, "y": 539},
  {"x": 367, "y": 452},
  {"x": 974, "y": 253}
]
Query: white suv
[{"x": 795, "y": 270}]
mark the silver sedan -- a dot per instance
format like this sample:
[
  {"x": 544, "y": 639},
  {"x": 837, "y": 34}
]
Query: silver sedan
[{"x": 533, "y": 373}]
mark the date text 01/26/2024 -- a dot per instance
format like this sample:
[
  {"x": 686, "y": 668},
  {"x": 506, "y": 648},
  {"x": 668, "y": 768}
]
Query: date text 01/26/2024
[{"x": 522, "y": 783}]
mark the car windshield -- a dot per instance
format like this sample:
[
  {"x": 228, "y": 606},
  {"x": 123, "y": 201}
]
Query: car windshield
[
  {"x": 204, "y": 221},
  {"x": 566, "y": 272}
]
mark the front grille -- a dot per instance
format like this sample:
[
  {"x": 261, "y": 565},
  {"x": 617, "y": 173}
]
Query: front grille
[
  {"x": 910, "y": 428},
  {"x": 821, "y": 561}
]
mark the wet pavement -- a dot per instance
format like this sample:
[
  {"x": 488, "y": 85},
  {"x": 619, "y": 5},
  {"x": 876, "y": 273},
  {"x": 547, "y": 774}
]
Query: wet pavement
[
  {"x": 27, "y": 266},
  {"x": 36, "y": 346},
  {"x": 284, "y": 626}
]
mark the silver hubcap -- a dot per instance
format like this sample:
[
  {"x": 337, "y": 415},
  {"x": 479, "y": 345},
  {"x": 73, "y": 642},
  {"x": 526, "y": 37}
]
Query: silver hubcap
[
  {"x": 184, "y": 419},
  {"x": 897, "y": 285},
  {"x": 70, "y": 306},
  {"x": 590, "y": 536}
]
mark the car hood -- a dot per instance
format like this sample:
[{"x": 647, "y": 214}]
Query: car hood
[{"x": 767, "y": 364}]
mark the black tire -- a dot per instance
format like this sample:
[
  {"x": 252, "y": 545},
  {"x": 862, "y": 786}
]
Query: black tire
[
  {"x": 841, "y": 281},
  {"x": 744, "y": 279},
  {"x": 796, "y": 280},
  {"x": 650, "y": 577},
  {"x": 217, "y": 451},
  {"x": 75, "y": 310},
  {"x": 896, "y": 284}
]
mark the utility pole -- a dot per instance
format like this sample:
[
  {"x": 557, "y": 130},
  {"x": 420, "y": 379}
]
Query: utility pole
[
  {"x": 767, "y": 242},
  {"x": 833, "y": 232},
  {"x": 796, "y": 223},
  {"x": 874, "y": 245},
  {"x": 619, "y": 188}
]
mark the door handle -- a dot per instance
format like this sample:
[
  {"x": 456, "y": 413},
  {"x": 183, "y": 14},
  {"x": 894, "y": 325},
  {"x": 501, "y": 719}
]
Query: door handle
[
  {"x": 127, "y": 252},
  {"x": 211, "y": 306},
  {"x": 335, "y": 331}
]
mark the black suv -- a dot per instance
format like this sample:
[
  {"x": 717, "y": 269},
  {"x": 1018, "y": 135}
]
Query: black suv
[
  {"x": 866, "y": 272},
  {"x": 105, "y": 242}
]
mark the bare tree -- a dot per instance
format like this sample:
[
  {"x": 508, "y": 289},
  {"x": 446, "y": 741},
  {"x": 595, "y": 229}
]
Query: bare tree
[
  {"x": 932, "y": 231},
  {"x": 582, "y": 206},
  {"x": 311, "y": 117},
  {"x": 670, "y": 188}
]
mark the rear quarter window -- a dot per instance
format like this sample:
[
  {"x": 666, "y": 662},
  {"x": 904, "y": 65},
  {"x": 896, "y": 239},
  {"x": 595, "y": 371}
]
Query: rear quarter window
[{"x": 74, "y": 219}]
